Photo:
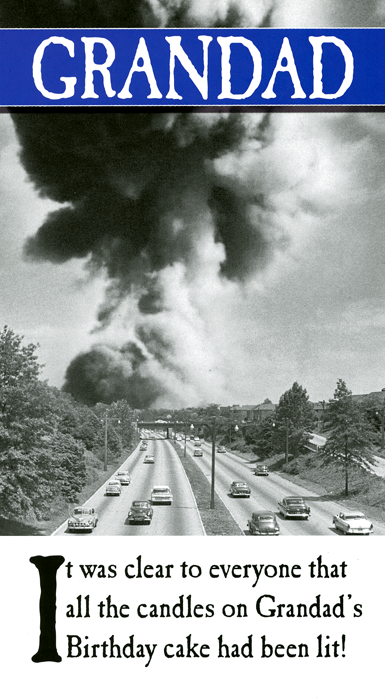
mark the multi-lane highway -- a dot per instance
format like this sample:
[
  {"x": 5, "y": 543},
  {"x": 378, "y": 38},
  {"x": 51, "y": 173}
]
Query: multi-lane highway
[
  {"x": 266, "y": 491},
  {"x": 181, "y": 518}
]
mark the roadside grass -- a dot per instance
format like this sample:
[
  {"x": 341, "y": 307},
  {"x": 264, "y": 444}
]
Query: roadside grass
[
  {"x": 96, "y": 476},
  {"x": 217, "y": 521},
  {"x": 366, "y": 490}
]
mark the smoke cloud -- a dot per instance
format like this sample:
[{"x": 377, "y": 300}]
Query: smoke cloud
[{"x": 192, "y": 217}]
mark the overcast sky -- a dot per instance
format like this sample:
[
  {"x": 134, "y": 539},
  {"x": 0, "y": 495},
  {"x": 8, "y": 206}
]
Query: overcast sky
[{"x": 309, "y": 309}]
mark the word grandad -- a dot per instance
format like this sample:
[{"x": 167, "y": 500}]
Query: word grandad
[
  {"x": 251, "y": 66},
  {"x": 152, "y": 67}
]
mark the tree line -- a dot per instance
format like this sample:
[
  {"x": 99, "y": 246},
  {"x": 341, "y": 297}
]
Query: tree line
[{"x": 45, "y": 435}]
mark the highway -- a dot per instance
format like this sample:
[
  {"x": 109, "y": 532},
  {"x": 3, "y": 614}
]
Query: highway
[
  {"x": 181, "y": 518},
  {"x": 266, "y": 491}
]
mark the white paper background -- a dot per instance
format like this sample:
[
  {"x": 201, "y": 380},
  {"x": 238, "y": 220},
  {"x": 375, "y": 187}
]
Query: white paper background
[{"x": 358, "y": 674}]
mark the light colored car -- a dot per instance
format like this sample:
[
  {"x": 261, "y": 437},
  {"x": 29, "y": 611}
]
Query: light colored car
[
  {"x": 82, "y": 519},
  {"x": 240, "y": 488},
  {"x": 294, "y": 507},
  {"x": 161, "y": 494},
  {"x": 198, "y": 452},
  {"x": 113, "y": 488},
  {"x": 143, "y": 448},
  {"x": 149, "y": 459},
  {"x": 197, "y": 443},
  {"x": 263, "y": 522},
  {"x": 352, "y": 523},
  {"x": 261, "y": 470},
  {"x": 221, "y": 449},
  {"x": 124, "y": 478}
]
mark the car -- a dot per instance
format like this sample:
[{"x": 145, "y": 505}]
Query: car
[
  {"x": 143, "y": 448},
  {"x": 113, "y": 488},
  {"x": 197, "y": 443},
  {"x": 352, "y": 523},
  {"x": 261, "y": 470},
  {"x": 178, "y": 437},
  {"x": 263, "y": 522},
  {"x": 161, "y": 494},
  {"x": 149, "y": 459},
  {"x": 124, "y": 478},
  {"x": 198, "y": 452},
  {"x": 82, "y": 519},
  {"x": 221, "y": 449},
  {"x": 240, "y": 488},
  {"x": 140, "y": 512},
  {"x": 294, "y": 507}
]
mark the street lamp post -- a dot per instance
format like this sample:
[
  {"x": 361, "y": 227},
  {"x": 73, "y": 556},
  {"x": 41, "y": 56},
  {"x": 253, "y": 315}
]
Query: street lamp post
[
  {"x": 105, "y": 440},
  {"x": 213, "y": 436},
  {"x": 382, "y": 420},
  {"x": 287, "y": 442}
]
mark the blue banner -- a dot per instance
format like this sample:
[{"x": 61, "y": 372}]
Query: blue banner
[{"x": 187, "y": 67}]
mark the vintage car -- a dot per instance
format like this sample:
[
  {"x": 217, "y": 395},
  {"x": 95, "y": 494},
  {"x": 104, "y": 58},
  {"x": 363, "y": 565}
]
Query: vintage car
[
  {"x": 143, "y": 448},
  {"x": 140, "y": 512},
  {"x": 113, "y": 488},
  {"x": 124, "y": 478},
  {"x": 82, "y": 519},
  {"x": 198, "y": 452},
  {"x": 221, "y": 449},
  {"x": 240, "y": 488},
  {"x": 161, "y": 494},
  {"x": 197, "y": 443},
  {"x": 149, "y": 459},
  {"x": 263, "y": 522},
  {"x": 261, "y": 470},
  {"x": 294, "y": 507},
  {"x": 352, "y": 523}
]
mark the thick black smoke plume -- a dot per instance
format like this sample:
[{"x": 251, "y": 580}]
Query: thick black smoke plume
[
  {"x": 139, "y": 190},
  {"x": 108, "y": 374}
]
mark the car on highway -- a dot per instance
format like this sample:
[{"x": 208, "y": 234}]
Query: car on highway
[
  {"x": 221, "y": 449},
  {"x": 261, "y": 470},
  {"x": 143, "y": 448},
  {"x": 82, "y": 519},
  {"x": 161, "y": 494},
  {"x": 263, "y": 522},
  {"x": 352, "y": 523},
  {"x": 240, "y": 489},
  {"x": 113, "y": 488},
  {"x": 149, "y": 459},
  {"x": 197, "y": 443},
  {"x": 294, "y": 507},
  {"x": 124, "y": 478},
  {"x": 198, "y": 452},
  {"x": 140, "y": 512}
]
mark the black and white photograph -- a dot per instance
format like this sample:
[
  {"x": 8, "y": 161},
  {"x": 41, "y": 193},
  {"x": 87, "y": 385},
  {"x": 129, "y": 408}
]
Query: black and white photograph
[{"x": 192, "y": 340}]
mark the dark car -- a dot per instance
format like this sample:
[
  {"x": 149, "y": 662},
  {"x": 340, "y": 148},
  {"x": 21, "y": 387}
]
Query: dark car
[
  {"x": 263, "y": 522},
  {"x": 294, "y": 507},
  {"x": 140, "y": 512},
  {"x": 82, "y": 519},
  {"x": 240, "y": 488},
  {"x": 261, "y": 470}
]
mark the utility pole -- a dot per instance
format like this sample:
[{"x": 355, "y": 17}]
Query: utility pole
[
  {"x": 382, "y": 421},
  {"x": 287, "y": 442}
]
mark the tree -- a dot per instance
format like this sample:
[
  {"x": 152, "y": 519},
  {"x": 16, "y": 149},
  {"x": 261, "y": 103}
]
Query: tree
[
  {"x": 349, "y": 443},
  {"x": 294, "y": 416},
  {"x": 262, "y": 437}
]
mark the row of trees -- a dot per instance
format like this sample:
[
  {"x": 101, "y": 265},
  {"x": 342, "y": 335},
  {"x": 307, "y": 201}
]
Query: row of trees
[
  {"x": 44, "y": 434},
  {"x": 348, "y": 427}
]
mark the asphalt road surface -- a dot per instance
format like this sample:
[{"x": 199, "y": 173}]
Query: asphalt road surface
[
  {"x": 181, "y": 518},
  {"x": 266, "y": 491}
]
